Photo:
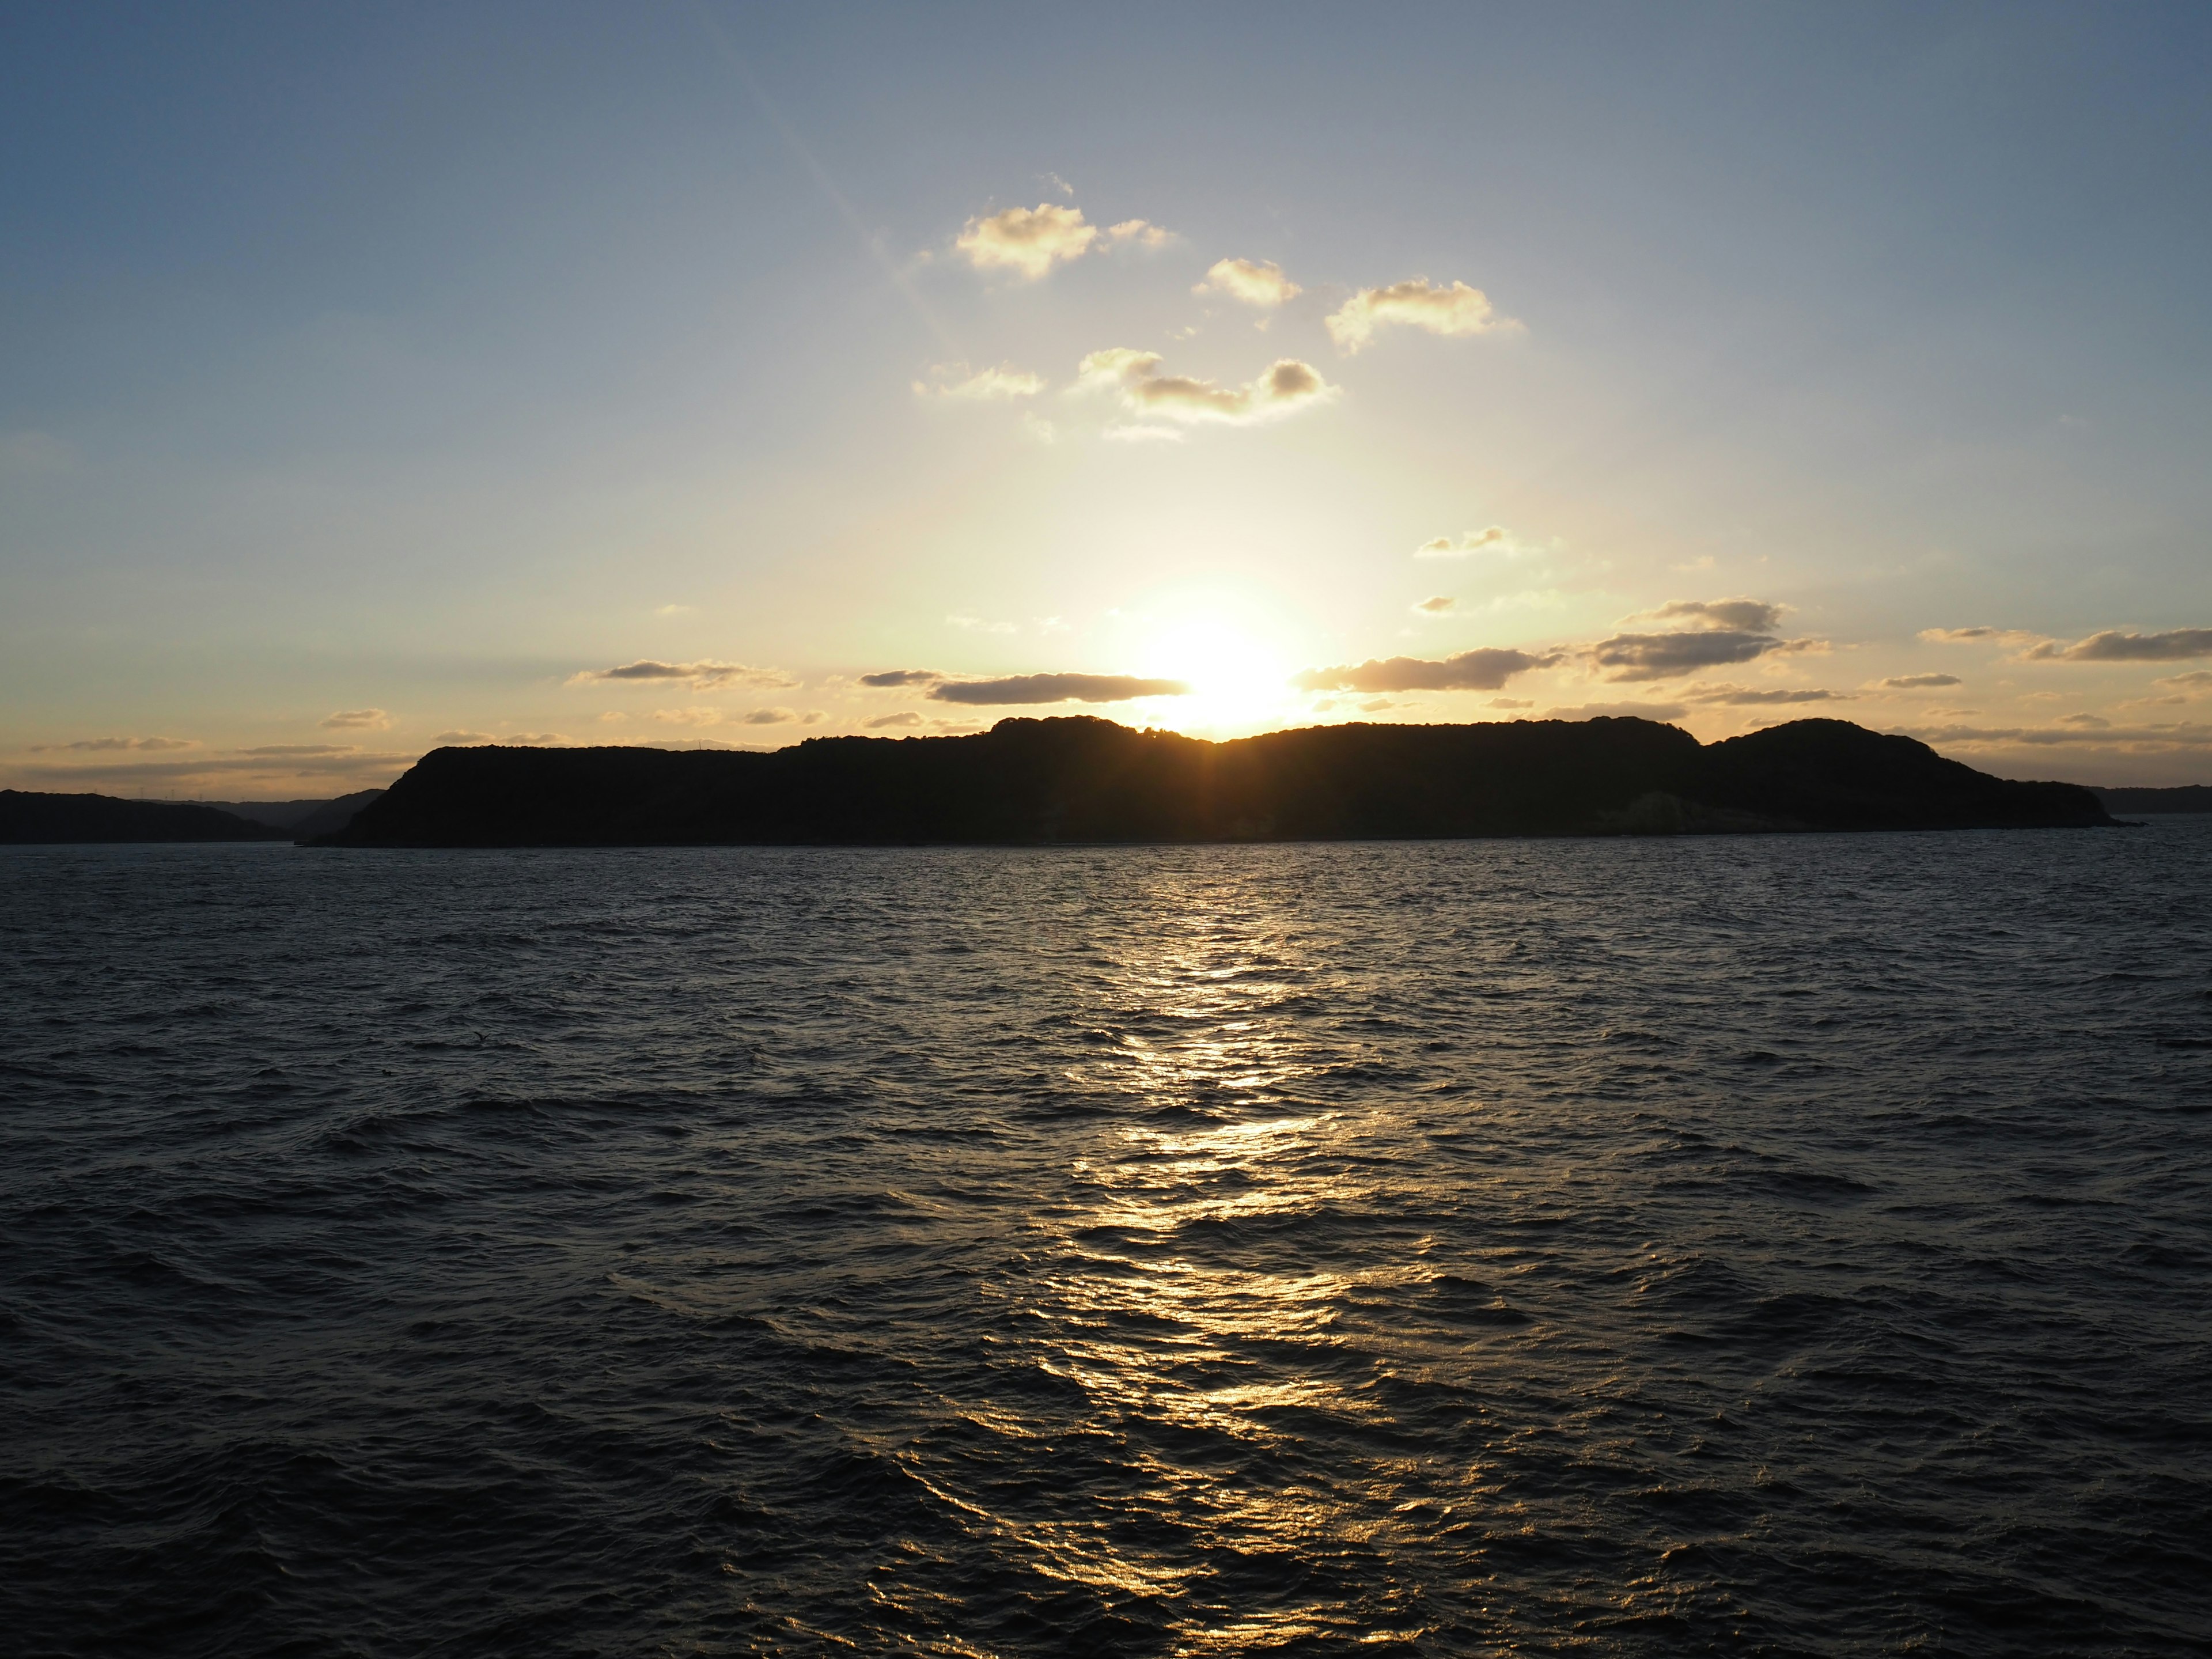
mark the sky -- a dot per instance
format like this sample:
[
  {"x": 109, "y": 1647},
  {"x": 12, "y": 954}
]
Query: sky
[{"x": 376, "y": 378}]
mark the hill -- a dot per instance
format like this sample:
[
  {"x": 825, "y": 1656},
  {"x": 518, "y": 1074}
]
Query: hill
[
  {"x": 31, "y": 818},
  {"x": 2188, "y": 798},
  {"x": 1082, "y": 778}
]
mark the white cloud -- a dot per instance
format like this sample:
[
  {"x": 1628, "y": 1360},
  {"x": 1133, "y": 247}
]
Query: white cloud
[
  {"x": 1256, "y": 283},
  {"x": 358, "y": 719},
  {"x": 1436, "y": 605},
  {"x": 998, "y": 385},
  {"x": 1139, "y": 232},
  {"x": 1286, "y": 387},
  {"x": 1027, "y": 240},
  {"x": 1457, "y": 310},
  {"x": 1496, "y": 541}
]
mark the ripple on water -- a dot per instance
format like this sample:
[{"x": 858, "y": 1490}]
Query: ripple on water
[{"x": 1785, "y": 1244}]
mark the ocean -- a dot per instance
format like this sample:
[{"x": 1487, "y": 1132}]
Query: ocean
[{"x": 1773, "y": 1245}]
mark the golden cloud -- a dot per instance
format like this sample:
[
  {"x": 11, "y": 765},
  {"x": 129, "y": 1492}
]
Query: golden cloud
[
  {"x": 1256, "y": 283},
  {"x": 1419, "y": 303},
  {"x": 1286, "y": 387},
  {"x": 1028, "y": 240}
]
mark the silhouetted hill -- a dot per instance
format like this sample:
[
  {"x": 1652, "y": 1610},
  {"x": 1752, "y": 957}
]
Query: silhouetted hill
[
  {"x": 27, "y": 818},
  {"x": 1088, "y": 780},
  {"x": 2188, "y": 798}
]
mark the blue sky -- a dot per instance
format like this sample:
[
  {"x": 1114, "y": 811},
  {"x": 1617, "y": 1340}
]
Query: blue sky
[{"x": 370, "y": 375}]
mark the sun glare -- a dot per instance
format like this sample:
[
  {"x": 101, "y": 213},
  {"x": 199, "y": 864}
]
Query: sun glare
[{"x": 1239, "y": 682}]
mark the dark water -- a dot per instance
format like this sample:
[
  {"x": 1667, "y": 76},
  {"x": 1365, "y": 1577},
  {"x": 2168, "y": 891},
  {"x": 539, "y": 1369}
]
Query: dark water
[{"x": 1768, "y": 1245}]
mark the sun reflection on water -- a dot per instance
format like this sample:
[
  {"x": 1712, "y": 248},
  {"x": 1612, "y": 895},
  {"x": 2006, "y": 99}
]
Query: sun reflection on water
[{"x": 1182, "y": 1302}]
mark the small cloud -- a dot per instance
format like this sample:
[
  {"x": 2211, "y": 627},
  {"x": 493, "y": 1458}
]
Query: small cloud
[
  {"x": 1028, "y": 241},
  {"x": 1744, "y": 696},
  {"x": 977, "y": 625},
  {"x": 467, "y": 738},
  {"x": 103, "y": 745},
  {"x": 296, "y": 749},
  {"x": 676, "y": 611},
  {"x": 1704, "y": 563},
  {"x": 999, "y": 384},
  {"x": 2090, "y": 722},
  {"x": 908, "y": 718},
  {"x": 1458, "y": 310},
  {"x": 1748, "y": 615},
  {"x": 771, "y": 717},
  {"x": 703, "y": 675},
  {"x": 1055, "y": 687},
  {"x": 902, "y": 676},
  {"x": 1057, "y": 183},
  {"x": 1511, "y": 702},
  {"x": 1496, "y": 539},
  {"x": 1375, "y": 705},
  {"x": 1286, "y": 387},
  {"x": 1436, "y": 605},
  {"x": 1139, "y": 234},
  {"x": 2196, "y": 679},
  {"x": 358, "y": 719},
  {"x": 2178, "y": 645},
  {"x": 1916, "y": 682},
  {"x": 688, "y": 716},
  {"x": 1470, "y": 671},
  {"x": 1663, "y": 656},
  {"x": 1975, "y": 636},
  {"x": 614, "y": 717},
  {"x": 534, "y": 739},
  {"x": 1254, "y": 283}
]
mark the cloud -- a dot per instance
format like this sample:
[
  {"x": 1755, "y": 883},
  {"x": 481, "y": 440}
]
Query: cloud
[
  {"x": 358, "y": 719},
  {"x": 1642, "y": 711},
  {"x": 100, "y": 745},
  {"x": 675, "y": 610},
  {"x": 770, "y": 717},
  {"x": 998, "y": 385},
  {"x": 703, "y": 675},
  {"x": 978, "y": 625},
  {"x": 1470, "y": 671},
  {"x": 1140, "y": 232},
  {"x": 1286, "y": 387},
  {"x": 1028, "y": 240},
  {"x": 907, "y": 718},
  {"x": 1746, "y": 615},
  {"x": 902, "y": 676},
  {"x": 293, "y": 751},
  {"x": 1916, "y": 682},
  {"x": 1436, "y": 605},
  {"x": 1055, "y": 687},
  {"x": 2178, "y": 645},
  {"x": 1256, "y": 282},
  {"x": 1664, "y": 656},
  {"x": 1495, "y": 539},
  {"x": 1511, "y": 702},
  {"x": 1458, "y": 310},
  {"x": 445, "y": 738},
  {"x": 1744, "y": 696},
  {"x": 688, "y": 716},
  {"x": 2197, "y": 679},
  {"x": 1057, "y": 183},
  {"x": 2087, "y": 722},
  {"x": 1972, "y": 635}
]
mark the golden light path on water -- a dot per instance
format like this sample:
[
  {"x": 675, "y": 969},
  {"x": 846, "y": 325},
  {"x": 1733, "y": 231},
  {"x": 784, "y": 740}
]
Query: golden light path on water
[{"x": 1173, "y": 1338}]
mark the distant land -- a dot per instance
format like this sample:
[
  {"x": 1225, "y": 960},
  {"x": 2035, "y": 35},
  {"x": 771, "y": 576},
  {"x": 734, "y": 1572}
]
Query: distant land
[
  {"x": 2189, "y": 798},
  {"x": 31, "y": 818},
  {"x": 1082, "y": 779}
]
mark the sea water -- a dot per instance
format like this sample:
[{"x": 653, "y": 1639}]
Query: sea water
[{"x": 1772, "y": 1244}]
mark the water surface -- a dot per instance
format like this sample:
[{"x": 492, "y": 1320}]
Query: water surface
[{"x": 1775, "y": 1244}]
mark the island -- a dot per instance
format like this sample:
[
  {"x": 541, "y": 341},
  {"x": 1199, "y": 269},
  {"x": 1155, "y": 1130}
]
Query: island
[{"x": 1085, "y": 779}]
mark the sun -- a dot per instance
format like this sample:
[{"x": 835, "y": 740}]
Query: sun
[{"x": 1239, "y": 680}]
